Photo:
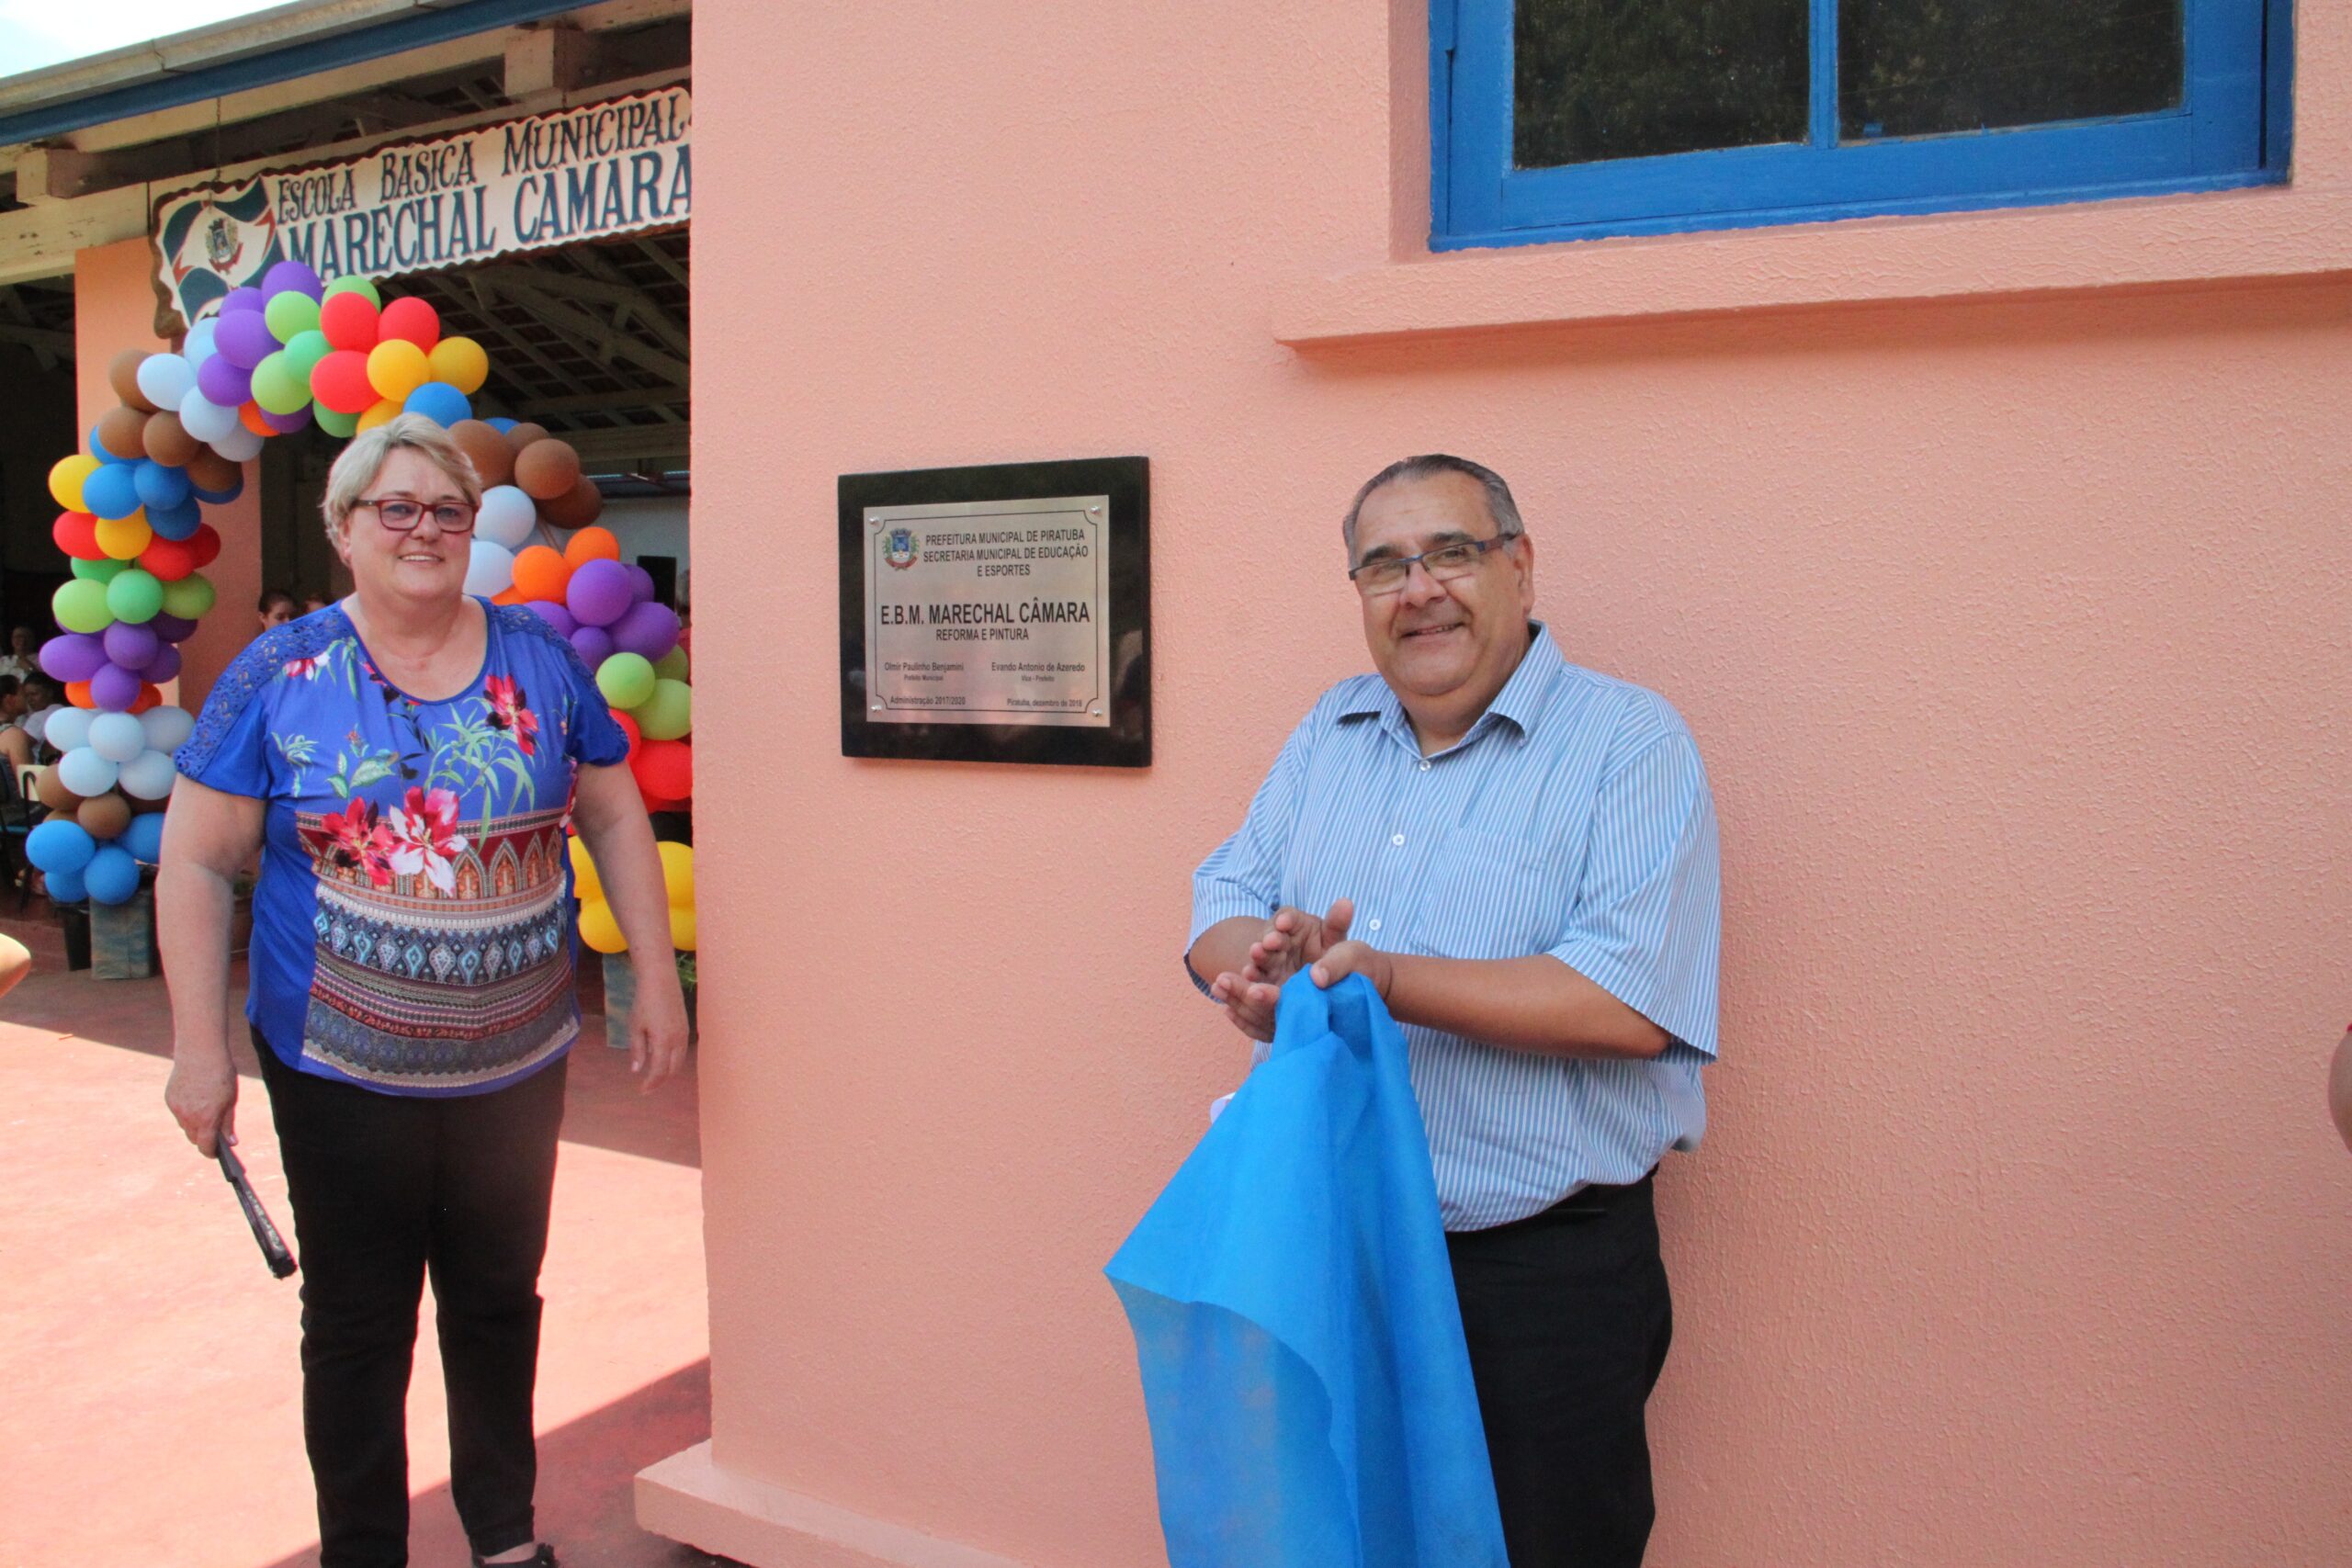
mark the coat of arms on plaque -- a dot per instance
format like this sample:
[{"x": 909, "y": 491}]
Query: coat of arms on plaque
[{"x": 899, "y": 547}]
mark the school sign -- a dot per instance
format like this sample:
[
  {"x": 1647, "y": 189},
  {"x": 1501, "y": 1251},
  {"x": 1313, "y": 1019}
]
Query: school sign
[{"x": 527, "y": 185}]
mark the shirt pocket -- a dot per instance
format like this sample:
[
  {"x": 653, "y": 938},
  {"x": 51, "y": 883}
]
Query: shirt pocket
[{"x": 1491, "y": 896}]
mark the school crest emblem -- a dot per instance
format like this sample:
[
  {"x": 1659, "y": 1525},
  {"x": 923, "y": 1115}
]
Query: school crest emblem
[{"x": 899, "y": 547}]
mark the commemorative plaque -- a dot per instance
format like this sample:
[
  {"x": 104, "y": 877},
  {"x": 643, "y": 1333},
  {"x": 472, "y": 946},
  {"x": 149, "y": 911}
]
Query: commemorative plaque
[{"x": 998, "y": 614}]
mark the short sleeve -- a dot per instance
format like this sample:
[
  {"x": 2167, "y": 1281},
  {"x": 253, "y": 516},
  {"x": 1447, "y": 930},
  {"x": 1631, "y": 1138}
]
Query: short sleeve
[
  {"x": 596, "y": 739},
  {"x": 228, "y": 749},
  {"x": 1648, "y": 917},
  {"x": 1243, "y": 874}
]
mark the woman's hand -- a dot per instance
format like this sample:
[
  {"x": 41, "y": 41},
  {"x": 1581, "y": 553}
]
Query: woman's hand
[
  {"x": 202, "y": 1095},
  {"x": 657, "y": 1025}
]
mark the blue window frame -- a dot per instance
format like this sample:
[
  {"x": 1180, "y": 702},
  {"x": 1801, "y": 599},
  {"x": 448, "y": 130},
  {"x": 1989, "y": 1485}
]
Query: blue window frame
[{"x": 2228, "y": 129}]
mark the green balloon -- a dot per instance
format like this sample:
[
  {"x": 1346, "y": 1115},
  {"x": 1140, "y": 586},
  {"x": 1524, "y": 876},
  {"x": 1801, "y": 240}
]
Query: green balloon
[
  {"x": 343, "y": 426},
  {"x": 668, "y": 714},
  {"x": 278, "y": 387},
  {"x": 304, "y": 350},
  {"x": 671, "y": 666},
  {"x": 189, "y": 597},
  {"x": 290, "y": 314},
  {"x": 357, "y": 285},
  {"x": 626, "y": 679},
  {"x": 135, "y": 596},
  {"x": 81, "y": 606},
  {"x": 99, "y": 571}
]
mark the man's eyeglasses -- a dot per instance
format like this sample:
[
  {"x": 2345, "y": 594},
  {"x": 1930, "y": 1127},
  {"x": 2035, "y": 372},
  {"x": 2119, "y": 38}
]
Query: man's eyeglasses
[
  {"x": 1387, "y": 575},
  {"x": 399, "y": 516}
]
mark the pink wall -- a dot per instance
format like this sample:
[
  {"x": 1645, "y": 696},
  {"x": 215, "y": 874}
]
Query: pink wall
[
  {"x": 114, "y": 309},
  {"x": 2012, "y": 629}
]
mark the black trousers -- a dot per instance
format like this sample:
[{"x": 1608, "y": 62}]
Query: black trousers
[
  {"x": 1568, "y": 1320},
  {"x": 385, "y": 1190}
]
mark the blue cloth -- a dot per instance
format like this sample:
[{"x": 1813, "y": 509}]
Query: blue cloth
[
  {"x": 1574, "y": 819},
  {"x": 412, "y": 928},
  {"x": 1303, "y": 1364}
]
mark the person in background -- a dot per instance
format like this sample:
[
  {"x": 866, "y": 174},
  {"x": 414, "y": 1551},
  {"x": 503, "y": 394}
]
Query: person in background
[
  {"x": 22, "y": 741},
  {"x": 23, "y": 657},
  {"x": 2339, "y": 1089},
  {"x": 313, "y": 605},
  {"x": 275, "y": 607},
  {"x": 1521, "y": 855},
  {"x": 408, "y": 762},
  {"x": 16, "y": 743}
]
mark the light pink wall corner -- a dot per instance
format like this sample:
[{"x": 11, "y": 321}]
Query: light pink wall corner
[{"x": 2013, "y": 632}]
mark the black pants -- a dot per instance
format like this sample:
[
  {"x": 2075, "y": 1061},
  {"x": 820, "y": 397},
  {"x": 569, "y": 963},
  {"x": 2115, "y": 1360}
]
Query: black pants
[
  {"x": 386, "y": 1188},
  {"x": 1568, "y": 1320}
]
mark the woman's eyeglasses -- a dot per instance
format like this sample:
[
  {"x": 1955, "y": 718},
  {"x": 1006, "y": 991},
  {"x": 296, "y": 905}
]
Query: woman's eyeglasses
[{"x": 400, "y": 516}]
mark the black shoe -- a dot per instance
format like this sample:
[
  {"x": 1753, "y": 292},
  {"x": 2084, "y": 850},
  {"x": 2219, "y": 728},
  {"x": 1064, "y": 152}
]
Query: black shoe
[{"x": 546, "y": 1559}]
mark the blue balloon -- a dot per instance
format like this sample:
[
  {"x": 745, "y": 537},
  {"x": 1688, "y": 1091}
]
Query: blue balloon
[
  {"x": 222, "y": 497},
  {"x": 160, "y": 486},
  {"x": 176, "y": 522},
  {"x": 440, "y": 402},
  {"x": 60, "y": 844},
  {"x": 66, "y": 887},
  {"x": 99, "y": 450},
  {"x": 112, "y": 876},
  {"x": 144, "y": 837},
  {"x": 112, "y": 491},
  {"x": 501, "y": 424}
]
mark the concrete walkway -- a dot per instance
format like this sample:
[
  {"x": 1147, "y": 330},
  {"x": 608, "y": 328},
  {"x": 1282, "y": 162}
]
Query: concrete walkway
[{"x": 152, "y": 1409}]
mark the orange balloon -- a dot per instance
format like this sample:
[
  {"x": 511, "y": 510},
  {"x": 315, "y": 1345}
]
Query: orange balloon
[
  {"x": 250, "y": 416},
  {"x": 78, "y": 694},
  {"x": 540, "y": 573},
  {"x": 149, "y": 696},
  {"x": 591, "y": 544},
  {"x": 507, "y": 596}
]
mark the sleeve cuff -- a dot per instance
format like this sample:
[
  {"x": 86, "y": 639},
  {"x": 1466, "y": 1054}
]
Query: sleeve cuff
[{"x": 1610, "y": 973}]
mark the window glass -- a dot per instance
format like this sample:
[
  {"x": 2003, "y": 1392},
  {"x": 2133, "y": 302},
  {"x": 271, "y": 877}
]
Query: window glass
[
  {"x": 1919, "y": 67},
  {"x": 1601, "y": 79}
]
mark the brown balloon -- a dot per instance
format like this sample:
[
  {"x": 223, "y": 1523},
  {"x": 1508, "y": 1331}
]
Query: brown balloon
[
  {"x": 168, "y": 442},
  {"x": 521, "y": 436},
  {"x": 575, "y": 508},
  {"x": 123, "y": 377},
  {"x": 494, "y": 460},
  {"x": 545, "y": 469},
  {"x": 209, "y": 470},
  {"x": 53, "y": 793},
  {"x": 123, "y": 431},
  {"x": 148, "y": 808},
  {"x": 104, "y": 816}
]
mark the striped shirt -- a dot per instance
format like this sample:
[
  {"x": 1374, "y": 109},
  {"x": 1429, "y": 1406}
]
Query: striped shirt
[{"x": 1574, "y": 819}]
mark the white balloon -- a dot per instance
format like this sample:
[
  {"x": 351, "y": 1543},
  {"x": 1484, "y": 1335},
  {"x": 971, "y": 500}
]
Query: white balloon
[
  {"x": 37, "y": 722},
  {"x": 68, "y": 728},
  {"x": 197, "y": 347},
  {"x": 166, "y": 380},
  {"x": 490, "y": 569},
  {"x": 147, "y": 776},
  {"x": 116, "y": 737},
  {"x": 167, "y": 728},
  {"x": 204, "y": 419},
  {"x": 240, "y": 445},
  {"x": 85, "y": 772},
  {"x": 506, "y": 517}
]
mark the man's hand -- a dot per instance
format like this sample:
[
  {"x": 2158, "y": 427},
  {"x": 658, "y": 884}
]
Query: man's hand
[
  {"x": 1346, "y": 958},
  {"x": 1291, "y": 940}
]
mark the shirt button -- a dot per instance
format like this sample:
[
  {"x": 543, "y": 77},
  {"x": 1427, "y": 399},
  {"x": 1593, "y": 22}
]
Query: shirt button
[
  {"x": 1425, "y": 764},
  {"x": 1397, "y": 840},
  {"x": 1375, "y": 925}
]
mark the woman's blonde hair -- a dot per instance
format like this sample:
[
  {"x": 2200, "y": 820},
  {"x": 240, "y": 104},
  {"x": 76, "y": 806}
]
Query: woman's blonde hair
[{"x": 361, "y": 461}]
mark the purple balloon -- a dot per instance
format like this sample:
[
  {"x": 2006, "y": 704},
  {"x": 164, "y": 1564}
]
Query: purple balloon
[
  {"x": 648, "y": 630},
  {"x": 114, "y": 689},
  {"x": 165, "y": 665},
  {"x": 598, "y": 594},
  {"x": 640, "y": 583},
  {"x": 171, "y": 628},
  {"x": 291, "y": 274},
  {"x": 555, "y": 616},
  {"x": 72, "y": 656},
  {"x": 284, "y": 423},
  {"x": 593, "y": 644},
  {"x": 244, "y": 341},
  {"x": 132, "y": 644},
  {"x": 224, "y": 383},
  {"x": 241, "y": 299}
]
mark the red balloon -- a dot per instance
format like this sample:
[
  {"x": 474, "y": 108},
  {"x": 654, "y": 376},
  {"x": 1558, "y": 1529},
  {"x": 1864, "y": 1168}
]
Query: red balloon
[
  {"x": 77, "y": 533},
  {"x": 412, "y": 318},
  {"x": 170, "y": 560},
  {"x": 149, "y": 696},
  {"x": 629, "y": 727},
  {"x": 204, "y": 544},
  {"x": 340, "y": 381},
  {"x": 665, "y": 769},
  {"x": 349, "y": 321}
]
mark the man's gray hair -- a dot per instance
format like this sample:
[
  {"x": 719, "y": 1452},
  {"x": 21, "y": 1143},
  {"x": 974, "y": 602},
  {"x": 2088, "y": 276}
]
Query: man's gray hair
[{"x": 1500, "y": 507}]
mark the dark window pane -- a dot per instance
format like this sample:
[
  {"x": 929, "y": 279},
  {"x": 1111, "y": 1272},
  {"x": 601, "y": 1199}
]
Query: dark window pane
[
  {"x": 1594, "y": 79},
  {"x": 1917, "y": 67}
]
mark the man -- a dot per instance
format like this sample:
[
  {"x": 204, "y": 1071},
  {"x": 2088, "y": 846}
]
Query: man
[
  {"x": 23, "y": 657},
  {"x": 1521, "y": 855}
]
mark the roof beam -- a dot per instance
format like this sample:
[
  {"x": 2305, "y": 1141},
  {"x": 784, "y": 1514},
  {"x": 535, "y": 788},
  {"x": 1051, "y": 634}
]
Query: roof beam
[{"x": 587, "y": 330}]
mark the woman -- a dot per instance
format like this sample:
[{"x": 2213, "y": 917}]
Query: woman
[{"x": 405, "y": 759}]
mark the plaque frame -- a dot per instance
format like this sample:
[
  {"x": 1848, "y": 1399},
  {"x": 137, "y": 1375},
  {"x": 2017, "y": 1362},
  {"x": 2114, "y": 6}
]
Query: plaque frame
[{"x": 1126, "y": 740}]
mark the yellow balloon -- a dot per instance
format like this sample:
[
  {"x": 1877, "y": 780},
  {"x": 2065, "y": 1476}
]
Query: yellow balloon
[
  {"x": 396, "y": 368},
  {"x": 124, "y": 538},
  {"x": 382, "y": 412},
  {"x": 682, "y": 929},
  {"x": 599, "y": 929},
  {"x": 586, "y": 883},
  {"x": 458, "y": 361},
  {"x": 678, "y": 874},
  {"x": 65, "y": 476}
]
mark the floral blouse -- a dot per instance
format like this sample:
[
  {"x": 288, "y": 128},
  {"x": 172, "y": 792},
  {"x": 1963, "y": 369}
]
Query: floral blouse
[{"x": 412, "y": 929}]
